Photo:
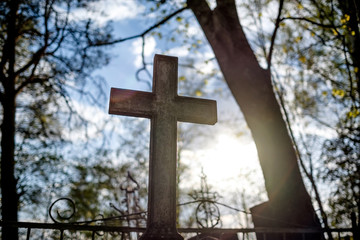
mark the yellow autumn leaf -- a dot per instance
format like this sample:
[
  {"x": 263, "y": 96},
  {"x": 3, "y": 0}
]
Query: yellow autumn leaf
[
  {"x": 302, "y": 59},
  {"x": 312, "y": 34},
  {"x": 182, "y": 78},
  {"x": 300, "y": 6},
  {"x": 282, "y": 24},
  {"x": 298, "y": 39},
  {"x": 353, "y": 113},
  {"x": 353, "y": 33},
  {"x": 356, "y": 113},
  {"x": 334, "y": 32},
  {"x": 198, "y": 93},
  {"x": 324, "y": 93},
  {"x": 347, "y": 17},
  {"x": 338, "y": 93},
  {"x": 356, "y": 69}
]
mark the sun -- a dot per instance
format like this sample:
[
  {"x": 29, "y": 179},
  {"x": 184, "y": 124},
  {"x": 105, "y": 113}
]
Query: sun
[{"x": 226, "y": 162}]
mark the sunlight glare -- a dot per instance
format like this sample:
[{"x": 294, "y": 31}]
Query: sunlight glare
[{"x": 227, "y": 162}]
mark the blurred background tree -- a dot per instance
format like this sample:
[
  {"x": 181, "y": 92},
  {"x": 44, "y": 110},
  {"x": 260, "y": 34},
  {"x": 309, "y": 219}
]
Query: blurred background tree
[{"x": 44, "y": 59}]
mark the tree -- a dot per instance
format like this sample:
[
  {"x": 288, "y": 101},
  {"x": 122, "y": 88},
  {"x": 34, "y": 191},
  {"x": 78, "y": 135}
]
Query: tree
[
  {"x": 334, "y": 28},
  {"x": 44, "y": 56},
  {"x": 289, "y": 203}
]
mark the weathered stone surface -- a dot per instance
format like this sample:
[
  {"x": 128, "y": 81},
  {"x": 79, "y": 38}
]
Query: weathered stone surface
[{"x": 164, "y": 107}]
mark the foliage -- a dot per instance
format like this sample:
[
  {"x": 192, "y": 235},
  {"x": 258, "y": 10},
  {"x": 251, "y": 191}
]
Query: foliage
[
  {"x": 46, "y": 62},
  {"x": 317, "y": 52},
  {"x": 342, "y": 167}
]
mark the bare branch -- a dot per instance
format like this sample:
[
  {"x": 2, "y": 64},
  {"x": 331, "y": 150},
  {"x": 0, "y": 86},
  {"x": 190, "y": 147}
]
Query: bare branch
[
  {"x": 33, "y": 61},
  {"x": 32, "y": 80},
  {"x": 300, "y": 158},
  {"x": 143, "y": 69},
  {"x": 273, "y": 37},
  {"x": 310, "y": 21},
  {"x": 167, "y": 18}
]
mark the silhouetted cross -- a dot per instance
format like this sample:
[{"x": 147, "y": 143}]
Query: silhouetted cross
[{"x": 164, "y": 107}]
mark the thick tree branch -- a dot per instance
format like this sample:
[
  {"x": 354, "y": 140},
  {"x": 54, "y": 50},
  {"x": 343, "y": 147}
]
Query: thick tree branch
[
  {"x": 33, "y": 61},
  {"x": 32, "y": 80},
  {"x": 199, "y": 7},
  {"x": 222, "y": 28},
  {"x": 229, "y": 6}
]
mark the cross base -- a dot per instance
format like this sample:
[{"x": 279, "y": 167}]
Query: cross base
[{"x": 161, "y": 233}]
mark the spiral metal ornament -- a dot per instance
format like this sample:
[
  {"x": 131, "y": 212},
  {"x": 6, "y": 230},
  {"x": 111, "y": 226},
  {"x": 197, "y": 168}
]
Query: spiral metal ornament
[
  {"x": 207, "y": 214},
  {"x": 65, "y": 214}
]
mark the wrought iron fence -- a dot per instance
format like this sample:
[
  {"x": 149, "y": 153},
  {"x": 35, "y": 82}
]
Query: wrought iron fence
[
  {"x": 62, "y": 231},
  {"x": 130, "y": 222}
]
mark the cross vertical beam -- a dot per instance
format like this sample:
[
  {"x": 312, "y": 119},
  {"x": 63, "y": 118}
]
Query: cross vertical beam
[{"x": 165, "y": 108}]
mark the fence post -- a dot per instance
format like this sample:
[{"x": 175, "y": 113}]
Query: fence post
[{"x": 355, "y": 227}]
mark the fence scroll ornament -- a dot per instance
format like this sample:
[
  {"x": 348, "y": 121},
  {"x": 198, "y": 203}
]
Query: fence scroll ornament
[
  {"x": 62, "y": 213},
  {"x": 207, "y": 212},
  {"x": 130, "y": 220},
  {"x": 130, "y": 213},
  {"x": 63, "y": 210}
]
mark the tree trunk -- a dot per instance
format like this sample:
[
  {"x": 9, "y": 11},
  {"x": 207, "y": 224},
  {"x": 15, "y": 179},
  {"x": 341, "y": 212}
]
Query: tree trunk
[
  {"x": 289, "y": 203},
  {"x": 9, "y": 196}
]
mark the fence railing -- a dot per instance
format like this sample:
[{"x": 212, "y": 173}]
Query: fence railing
[
  {"x": 127, "y": 222},
  {"x": 62, "y": 231}
]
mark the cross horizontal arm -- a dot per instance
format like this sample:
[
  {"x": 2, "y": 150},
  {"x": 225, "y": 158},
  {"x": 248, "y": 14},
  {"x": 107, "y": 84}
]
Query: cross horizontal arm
[
  {"x": 131, "y": 103},
  {"x": 195, "y": 110}
]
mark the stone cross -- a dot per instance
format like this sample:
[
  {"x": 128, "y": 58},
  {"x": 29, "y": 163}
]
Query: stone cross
[{"x": 164, "y": 107}]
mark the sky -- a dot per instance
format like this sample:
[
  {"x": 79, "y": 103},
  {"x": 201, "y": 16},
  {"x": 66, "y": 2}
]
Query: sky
[{"x": 227, "y": 155}]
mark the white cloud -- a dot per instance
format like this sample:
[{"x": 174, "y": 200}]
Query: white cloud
[
  {"x": 106, "y": 10},
  {"x": 181, "y": 51}
]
